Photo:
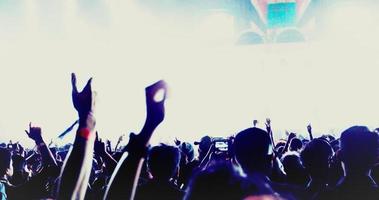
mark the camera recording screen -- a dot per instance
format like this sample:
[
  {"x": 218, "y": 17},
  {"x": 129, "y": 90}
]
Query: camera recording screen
[{"x": 222, "y": 145}]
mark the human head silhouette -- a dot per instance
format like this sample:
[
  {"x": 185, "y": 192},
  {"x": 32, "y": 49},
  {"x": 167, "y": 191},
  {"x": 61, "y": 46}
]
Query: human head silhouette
[
  {"x": 296, "y": 144},
  {"x": 315, "y": 158},
  {"x": 253, "y": 150},
  {"x": 294, "y": 169},
  {"x": 204, "y": 145},
  {"x": 187, "y": 151},
  {"x": 163, "y": 161},
  {"x": 219, "y": 181},
  {"x": 358, "y": 149}
]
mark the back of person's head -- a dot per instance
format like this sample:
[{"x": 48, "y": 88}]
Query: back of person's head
[
  {"x": 204, "y": 145},
  {"x": 280, "y": 143},
  {"x": 315, "y": 158},
  {"x": 291, "y": 163},
  {"x": 187, "y": 149},
  {"x": 253, "y": 150},
  {"x": 359, "y": 148},
  {"x": 335, "y": 145},
  {"x": 19, "y": 162},
  {"x": 163, "y": 161},
  {"x": 6, "y": 167},
  {"x": 296, "y": 144},
  {"x": 219, "y": 181}
]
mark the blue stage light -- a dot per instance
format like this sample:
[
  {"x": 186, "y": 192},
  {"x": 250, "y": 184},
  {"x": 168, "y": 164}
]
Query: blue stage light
[{"x": 281, "y": 14}]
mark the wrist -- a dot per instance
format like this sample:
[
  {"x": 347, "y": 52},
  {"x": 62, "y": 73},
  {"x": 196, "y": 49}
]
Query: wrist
[
  {"x": 38, "y": 141},
  {"x": 40, "y": 144},
  {"x": 87, "y": 121},
  {"x": 85, "y": 134}
]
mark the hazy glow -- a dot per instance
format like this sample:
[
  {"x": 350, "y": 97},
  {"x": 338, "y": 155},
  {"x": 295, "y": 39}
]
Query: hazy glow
[{"x": 215, "y": 87}]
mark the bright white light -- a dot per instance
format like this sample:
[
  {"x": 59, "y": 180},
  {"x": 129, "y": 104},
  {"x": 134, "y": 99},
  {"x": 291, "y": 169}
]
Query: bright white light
[
  {"x": 214, "y": 89},
  {"x": 353, "y": 22}
]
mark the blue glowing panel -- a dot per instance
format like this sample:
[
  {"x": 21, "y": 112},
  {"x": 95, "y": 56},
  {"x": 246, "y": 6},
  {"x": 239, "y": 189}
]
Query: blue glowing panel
[{"x": 281, "y": 14}]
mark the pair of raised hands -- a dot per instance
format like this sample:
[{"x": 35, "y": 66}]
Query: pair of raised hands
[
  {"x": 101, "y": 147},
  {"x": 267, "y": 123},
  {"x": 84, "y": 103}
]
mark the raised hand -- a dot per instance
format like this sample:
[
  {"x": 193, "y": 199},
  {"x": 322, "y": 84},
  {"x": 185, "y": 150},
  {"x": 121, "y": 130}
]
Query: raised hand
[
  {"x": 269, "y": 131},
  {"x": 309, "y": 128},
  {"x": 84, "y": 103},
  {"x": 100, "y": 147},
  {"x": 268, "y": 125},
  {"x": 51, "y": 143},
  {"x": 177, "y": 142},
  {"x": 287, "y": 133},
  {"x": 291, "y": 135},
  {"x": 255, "y": 122},
  {"x": 119, "y": 141},
  {"x": 77, "y": 168},
  {"x": 155, "y": 109},
  {"x": 129, "y": 167},
  {"x": 109, "y": 146},
  {"x": 34, "y": 133},
  {"x": 121, "y": 138}
]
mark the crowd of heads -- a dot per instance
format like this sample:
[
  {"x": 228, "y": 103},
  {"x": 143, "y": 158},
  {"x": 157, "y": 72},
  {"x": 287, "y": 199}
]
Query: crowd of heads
[
  {"x": 252, "y": 166},
  {"x": 247, "y": 165}
]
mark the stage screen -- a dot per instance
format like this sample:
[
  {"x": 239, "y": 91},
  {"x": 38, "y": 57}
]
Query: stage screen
[{"x": 281, "y": 14}]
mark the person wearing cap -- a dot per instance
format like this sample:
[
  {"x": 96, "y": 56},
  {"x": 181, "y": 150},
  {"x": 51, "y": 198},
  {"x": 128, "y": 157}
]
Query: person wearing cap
[
  {"x": 204, "y": 145},
  {"x": 190, "y": 168}
]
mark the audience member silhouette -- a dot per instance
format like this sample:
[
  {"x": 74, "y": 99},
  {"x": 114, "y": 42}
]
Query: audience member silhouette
[
  {"x": 359, "y": 151},
  {"x": 316, "y": 158},
  {"x": 163, "y": 165},
  {"x": 296, "y": 174},
  {"x": 220, "y": 181},
  {"x": 296, "y": 144},
  {"x": 253, "y": 151}
]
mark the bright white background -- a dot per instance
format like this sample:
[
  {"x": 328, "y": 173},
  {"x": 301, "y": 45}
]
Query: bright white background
[{"x": 216, "y": 88}]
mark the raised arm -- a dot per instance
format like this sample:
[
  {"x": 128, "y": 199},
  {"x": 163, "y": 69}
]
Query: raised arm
[
  {"x": 118, "y": 142},
  {"x": 290, "y": 137},
  {"x": 35, "y": 133},
  {"x": 77, "y": 166},
  {"x": 309, "y": 128},
  {"x": 269, "y": 131},
  {"x": 124, "y": 179},
  {"x": 100, "y": 150}
]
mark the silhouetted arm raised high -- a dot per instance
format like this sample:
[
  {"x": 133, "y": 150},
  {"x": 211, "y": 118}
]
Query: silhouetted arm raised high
[
  {"x": 77, "y": 166},
  {"x": 124, "y": 179}
]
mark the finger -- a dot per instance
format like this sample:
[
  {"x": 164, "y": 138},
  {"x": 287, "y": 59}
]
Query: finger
[
  {"x": 97, "y": 136},
  {"x": 73, "y": 83},
  {"x": 26, "y": 132},
  {"x": 88, "y": 86},
  {"x": 30, "y": 125}
]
